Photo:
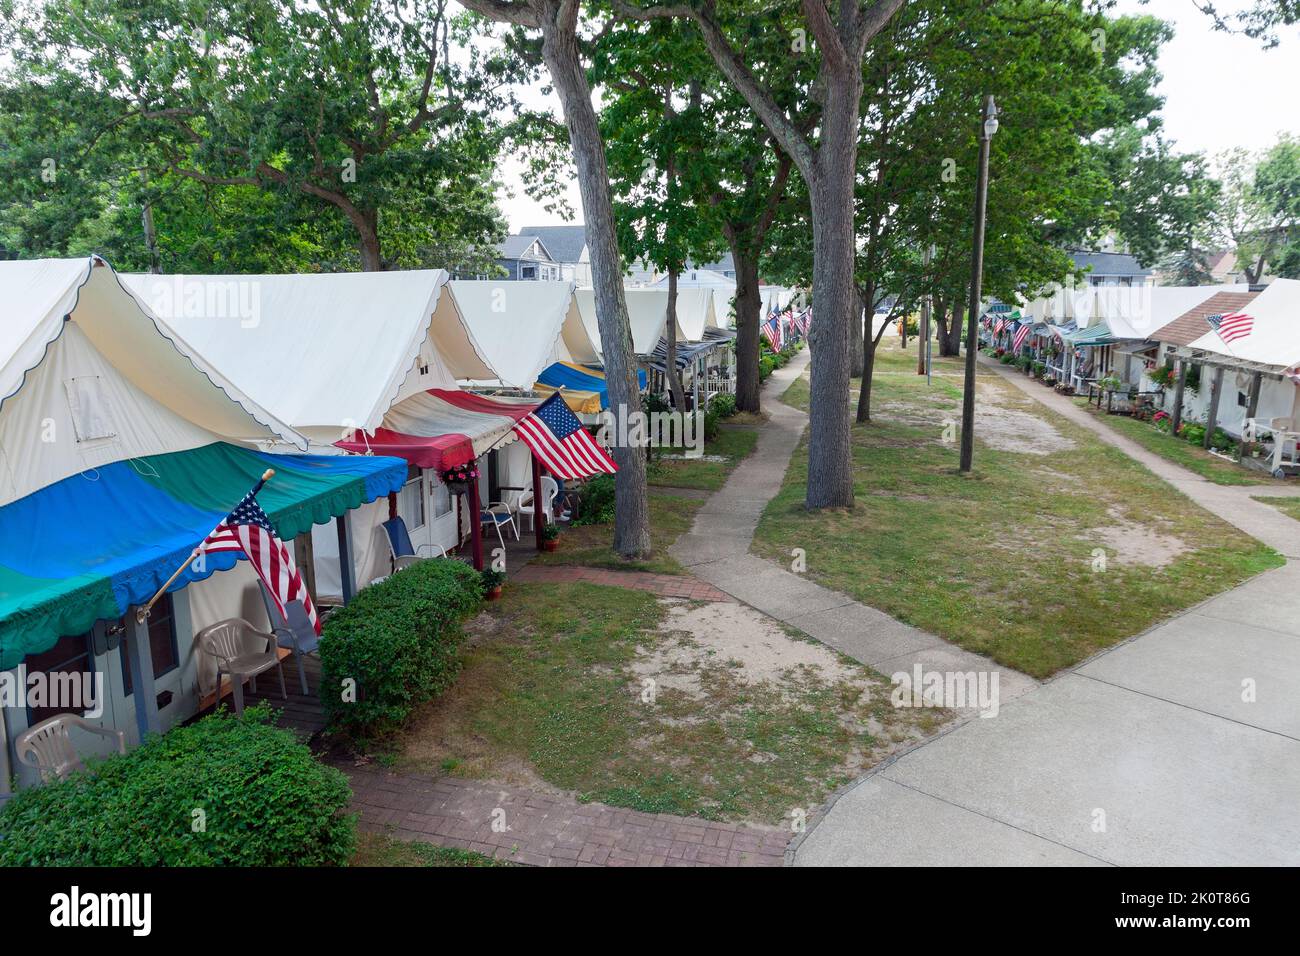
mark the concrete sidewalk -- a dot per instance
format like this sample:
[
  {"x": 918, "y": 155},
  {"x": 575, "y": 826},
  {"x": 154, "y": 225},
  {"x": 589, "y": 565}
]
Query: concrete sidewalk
[
  {"x": 1179, "y": 747},
  {"x": 716, "y": 550}
]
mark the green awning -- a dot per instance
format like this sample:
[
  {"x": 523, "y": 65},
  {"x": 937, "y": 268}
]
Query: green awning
[{"x": 90, "y": 546}]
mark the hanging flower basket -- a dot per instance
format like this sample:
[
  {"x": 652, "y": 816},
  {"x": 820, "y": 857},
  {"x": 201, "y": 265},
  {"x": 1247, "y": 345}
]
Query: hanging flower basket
[{"x": 457, "y": 479}]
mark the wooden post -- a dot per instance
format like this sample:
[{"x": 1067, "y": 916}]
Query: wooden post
[
  {"x": 538, "y": 514},
  {"x": 392, "y": 505},
  {"x": 304, "y": 556},
  {"x": 475, "y": 525},
  {"x": 347, "y": 566},
  {"x": 1212, "y": 418},
  {"x": 139, "y": 662},
  {"x": 1252, "y": 408},
  {"x": 1176, "y": 416}
]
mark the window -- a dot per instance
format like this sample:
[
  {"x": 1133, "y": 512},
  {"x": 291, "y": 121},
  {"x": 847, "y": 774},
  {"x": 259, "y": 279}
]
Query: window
[
  {"x": 410, "y": 500},
  {"x": 527, "y": 272},
  {"x": 441, "y": 500},
  {"x": 162, "y": 642},
  {"x": 70, "y": 657}
]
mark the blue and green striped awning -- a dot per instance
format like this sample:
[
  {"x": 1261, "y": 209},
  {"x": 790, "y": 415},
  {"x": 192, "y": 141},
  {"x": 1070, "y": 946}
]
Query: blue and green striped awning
[{"x": 90, "y": 546}]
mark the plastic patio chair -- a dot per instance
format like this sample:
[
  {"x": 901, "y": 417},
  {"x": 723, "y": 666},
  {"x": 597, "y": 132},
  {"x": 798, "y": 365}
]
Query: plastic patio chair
[
  {"x": 491, "y": 515},
  {"x": 549, "y": 491},
  {"x": 296, "y": 632},
  {"x": 400, "y": 548},
  {"x": 227, "y": 643},
  {"x": 48, "y": 747}
]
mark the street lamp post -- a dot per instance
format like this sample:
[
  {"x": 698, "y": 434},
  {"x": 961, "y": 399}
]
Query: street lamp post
[{"x": 989, "y": 127}]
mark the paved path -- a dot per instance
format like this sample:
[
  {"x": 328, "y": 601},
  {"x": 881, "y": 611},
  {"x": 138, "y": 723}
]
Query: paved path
[
  {"x": 664, "y": 585},
  {"x": 1148, "y": 754},
  {"x": 544, "y": 830},
  {"x": 716, "y": 550}
]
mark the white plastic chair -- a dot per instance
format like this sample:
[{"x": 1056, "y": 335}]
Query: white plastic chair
[
  {"x": 226, "y": 642},
  {"x": 48, "y": 748},
  {"x": 549, "y": 491}
]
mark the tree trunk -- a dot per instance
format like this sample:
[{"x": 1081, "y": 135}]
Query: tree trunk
[
  {"x": 560, "y": 52},
  {"x": 866, "y": 354},
  {"x": 367, "y": 226},
  {"x": 830, "y": 468},
  {"x": 859, "y": 332},
  {"x": 670, "y": 335},
  {"x": 747, "y": 307}
]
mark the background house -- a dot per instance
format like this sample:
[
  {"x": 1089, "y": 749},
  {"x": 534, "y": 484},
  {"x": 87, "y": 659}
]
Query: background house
[{"x": 526, "y": 257}]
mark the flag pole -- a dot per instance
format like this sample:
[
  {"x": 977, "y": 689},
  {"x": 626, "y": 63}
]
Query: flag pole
[{"x": 142, "y": 613}]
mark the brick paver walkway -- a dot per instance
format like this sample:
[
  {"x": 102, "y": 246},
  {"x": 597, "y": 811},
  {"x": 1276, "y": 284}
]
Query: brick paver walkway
[
  {"x": 545, "y": 830},
  {"x": 664, "y": 585}
]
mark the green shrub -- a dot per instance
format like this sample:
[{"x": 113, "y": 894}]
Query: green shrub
[
  {"x": 766, "y": 366},
  {"x": 711, "y": 421},
  {"x": 724, "y": 404},
  {"x": 1192, "y": 432},
  {"x": 596, "y": 501},
  {"x": 397, "y": 640},
  {"x": 265, "y": 801}
]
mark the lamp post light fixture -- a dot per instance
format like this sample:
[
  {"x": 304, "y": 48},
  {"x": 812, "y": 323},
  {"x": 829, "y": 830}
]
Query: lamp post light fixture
[{"x": 989, "y": 127}]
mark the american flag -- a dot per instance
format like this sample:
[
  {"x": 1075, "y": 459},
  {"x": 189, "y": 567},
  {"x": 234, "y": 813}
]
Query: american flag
[
  {"x": 803, "y": 320},
  {"x": 999, "y": 326},
  {"x": 247, "y": 530},
  {"x": 1022, "y": 333},
  {"x": 558, "y": 439},
  {"x": 772, "y": 332},
  {"x": 1231, "y": 325}
]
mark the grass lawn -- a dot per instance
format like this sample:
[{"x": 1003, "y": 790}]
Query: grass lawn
[
  {"x": 746, "y": 721},
  {"x": 732, "y": 444},
  {"x": 592, "y": 545},
  {"x": 1002, "y": 562},
  {"x": 374, "y": 849},
  {"x": 1192, "y": 457},
  {"x": 1288, "y": 506}
]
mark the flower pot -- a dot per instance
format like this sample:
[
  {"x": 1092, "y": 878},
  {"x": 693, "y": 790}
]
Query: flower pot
[
  {"x": 550, "y": 544},
  {"x": 493, "y": 593}
]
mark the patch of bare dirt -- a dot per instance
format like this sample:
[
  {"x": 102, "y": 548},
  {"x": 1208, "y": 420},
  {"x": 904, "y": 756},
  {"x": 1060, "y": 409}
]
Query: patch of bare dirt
[
  {"x": 1001, "y": 425},
  {"x": 1138, "y": 544}
]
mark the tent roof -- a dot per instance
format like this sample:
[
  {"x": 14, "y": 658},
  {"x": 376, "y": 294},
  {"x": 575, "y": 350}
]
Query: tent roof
[
  {"x": 520, "y": 327},
  {"x": 90, "y": 546},
  {"x": 1275, "y": 338},
  {"x": 580, "y": 383},
  {"x": 82, "y": 360},
  {"x": 486, "y": 422},
  {"x": 324, "y": 350},
  {"x": 1191, "y": 325},
  {"x": 647, "y": 311},
  {"x": 687, "y": 352},
  {"x": 1140, "y": 311}
]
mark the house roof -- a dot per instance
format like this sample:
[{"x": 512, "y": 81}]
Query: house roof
[
  {"x": 1107, "y": 263},
  {"x": 564, "y": 243},
  {"x": 516, "y": 247},
  {"x": 1191, "y": 325},
  {"x": 1275, "y": 338}
]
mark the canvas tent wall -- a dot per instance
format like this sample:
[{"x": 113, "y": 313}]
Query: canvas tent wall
[
  {"x": 521, "y": 327},
  {"x": 722, "y": 289},
  {"x": 648, "y": 315},
  {"x": 141, "y": 445}
]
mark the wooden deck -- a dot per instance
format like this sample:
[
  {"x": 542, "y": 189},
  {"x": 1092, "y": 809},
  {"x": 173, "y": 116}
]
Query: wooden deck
[{"x": 301, "y": 713}]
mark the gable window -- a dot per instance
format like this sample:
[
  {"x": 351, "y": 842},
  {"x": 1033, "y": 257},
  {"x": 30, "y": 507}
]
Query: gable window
[
  {"x": 528, "y": 272},
  {"x": 162, "y": 642}
]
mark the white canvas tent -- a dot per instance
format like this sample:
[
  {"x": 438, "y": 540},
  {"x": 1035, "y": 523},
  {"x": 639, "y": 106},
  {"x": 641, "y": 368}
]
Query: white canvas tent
[
  {"x": 328, "y": 352},
  {"x": 648, "y": 314},
  {"x": 521, "y": 327},
  {"x": 88, "y": 375},
  {"x": 1275, "y": 337},
  {"x": 722, "y": 289}
]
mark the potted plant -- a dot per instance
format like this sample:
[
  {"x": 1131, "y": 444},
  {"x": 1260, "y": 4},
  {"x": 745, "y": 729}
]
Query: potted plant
[
  {"x": 492, "y": 581},
  {"x": 457, "y": 479},
  {"x": 550, "y": 536}
]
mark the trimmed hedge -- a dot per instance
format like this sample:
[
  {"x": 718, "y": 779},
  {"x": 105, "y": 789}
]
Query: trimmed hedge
[
  {"x": 395, "y": 644},
  {"x": 596, "y": 501},
  {"x": 264, "y": 801}
]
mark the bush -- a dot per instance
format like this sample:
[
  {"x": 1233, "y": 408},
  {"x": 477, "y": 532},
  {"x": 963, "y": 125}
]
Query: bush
[
  {"x": 397, "y": 640},
  {"x": 596, "y": 501},
  {"x": 711, "y": 421},
  {"x": 1192, "y": 432},
  {"x": 724, "y": 404},
  {"x": 766, "y": 366},
  {"x": 265, "y": 800}
]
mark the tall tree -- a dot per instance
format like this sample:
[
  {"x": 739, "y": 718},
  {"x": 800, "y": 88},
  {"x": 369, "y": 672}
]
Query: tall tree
[
  {"x": 557, "y": 22},
  {"x": 351, "y": 105},
  {"x": 826, "y": 157}
]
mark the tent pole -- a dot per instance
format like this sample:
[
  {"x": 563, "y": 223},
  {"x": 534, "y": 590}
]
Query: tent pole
[
  {"x": 475, "y": 525},
  {"x": 538, "y": 514}
]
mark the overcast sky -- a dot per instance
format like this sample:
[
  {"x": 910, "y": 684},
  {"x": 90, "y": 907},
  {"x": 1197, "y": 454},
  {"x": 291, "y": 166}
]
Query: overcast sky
[{"x": 1220, "y": 91}]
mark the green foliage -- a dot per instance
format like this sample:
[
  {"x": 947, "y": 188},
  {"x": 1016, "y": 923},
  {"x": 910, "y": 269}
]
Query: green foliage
[
  {"x": 596, "y": 501},
  {"x": 724, "y": 403},
  {"x": 397, "y": 641},
  {"x": 766, "y": 365},
  {"x": 265, "y": 801},
  {"x": 550, "y": 531},
  {"x": 492, "y": 578}
]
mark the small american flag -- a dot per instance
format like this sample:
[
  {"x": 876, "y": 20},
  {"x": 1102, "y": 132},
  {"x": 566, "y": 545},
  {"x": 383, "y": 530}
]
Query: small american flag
[
  {"x": 247, "y": 530},
  {"x": 1022, "y": 333},
  {"x": 999, "y": 326},
  {"x": 558, "y": 439},
  {"x": 803, "y": 320},
  {"x": 1231, "y": 325}
]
